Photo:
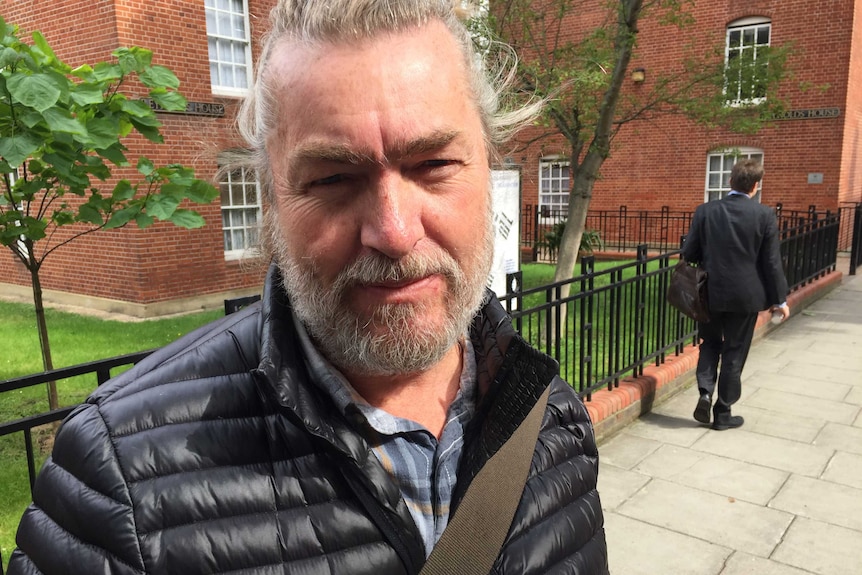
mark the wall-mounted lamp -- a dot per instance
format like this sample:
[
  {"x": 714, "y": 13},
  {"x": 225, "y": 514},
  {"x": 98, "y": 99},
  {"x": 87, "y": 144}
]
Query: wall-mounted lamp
[{"x": 638, "y": 75}]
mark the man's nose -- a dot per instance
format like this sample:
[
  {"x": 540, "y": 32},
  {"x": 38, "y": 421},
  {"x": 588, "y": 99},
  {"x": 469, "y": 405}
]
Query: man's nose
[{"x": 392, "y": 222}]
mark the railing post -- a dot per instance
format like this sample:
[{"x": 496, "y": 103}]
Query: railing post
[
  {"x": 622, "y": 228},
  {"x": 31, "y": 457},
  {"x": 514, "y": 289},
  {"x": 586, "y": 321},
  {"x": 640, "y": 307},
  {"x": 664, "y": 229}
]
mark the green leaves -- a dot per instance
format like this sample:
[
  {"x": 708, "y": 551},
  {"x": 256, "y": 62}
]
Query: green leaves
[
  {"x": 39, "y": 91},
  {"x": 63, "y": 129},
  {"x": 159, "y": 76},
  {"x": 15, "y": 149}
]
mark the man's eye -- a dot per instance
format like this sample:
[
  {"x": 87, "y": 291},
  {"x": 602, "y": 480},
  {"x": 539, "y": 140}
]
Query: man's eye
[
  {"x": 328, "y": 181},
  {"x": 437, "y": 163}
]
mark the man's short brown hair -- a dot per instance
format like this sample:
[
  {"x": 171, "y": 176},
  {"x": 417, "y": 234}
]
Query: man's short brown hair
[{"x": 745, "y": 174}]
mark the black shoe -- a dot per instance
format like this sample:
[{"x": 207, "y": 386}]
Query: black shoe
[
  {"x": 728, "y": 422},
  {"x": 701, "y": 412}
]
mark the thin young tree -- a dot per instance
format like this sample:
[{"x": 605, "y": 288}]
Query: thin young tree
[
  {"x": 582, "y": 75},
  {"x": 61, "y": 134}
]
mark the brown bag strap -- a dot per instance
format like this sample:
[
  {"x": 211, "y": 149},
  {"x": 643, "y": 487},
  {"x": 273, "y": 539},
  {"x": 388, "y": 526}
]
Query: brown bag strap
[{"x": 472, "y": 541}]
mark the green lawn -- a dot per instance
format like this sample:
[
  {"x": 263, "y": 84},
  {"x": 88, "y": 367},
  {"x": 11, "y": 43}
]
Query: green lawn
[{"x": 74, "y": 339}]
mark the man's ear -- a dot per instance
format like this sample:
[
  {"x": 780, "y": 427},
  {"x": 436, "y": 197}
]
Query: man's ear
[{"x": 753, "y": 191}]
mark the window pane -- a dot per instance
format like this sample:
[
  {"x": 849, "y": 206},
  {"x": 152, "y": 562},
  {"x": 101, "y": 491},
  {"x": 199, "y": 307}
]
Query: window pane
[
  {"x": 228, "y": 244},
  {"x": 223, "y": 4},
  {"x": 763, "y": 35},
  {"x": 714, "y": 180},
  {"x": 733, "y": 38},
  {"x": 238, "y": 27},
  {"x": 250, "y": 194},
  {"x": 237, "y": 239},
  {"x": 714, "y": 163},
  {"x": 225, "y": 74}
]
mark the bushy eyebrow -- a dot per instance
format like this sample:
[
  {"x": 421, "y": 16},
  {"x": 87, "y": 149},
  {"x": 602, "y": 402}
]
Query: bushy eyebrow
[{"x": 343, "y": 154}]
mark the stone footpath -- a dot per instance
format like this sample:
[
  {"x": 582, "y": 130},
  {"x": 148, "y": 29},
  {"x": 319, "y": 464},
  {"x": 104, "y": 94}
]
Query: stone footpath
[{"x": 780, "y": 496}]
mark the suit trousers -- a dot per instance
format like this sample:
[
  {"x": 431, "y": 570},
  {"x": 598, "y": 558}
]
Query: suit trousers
[{"x": 725, "y": 339}]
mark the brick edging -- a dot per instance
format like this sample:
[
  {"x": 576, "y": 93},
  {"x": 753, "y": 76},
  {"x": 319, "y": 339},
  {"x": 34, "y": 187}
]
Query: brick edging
[{"x": 610, "y": 410}]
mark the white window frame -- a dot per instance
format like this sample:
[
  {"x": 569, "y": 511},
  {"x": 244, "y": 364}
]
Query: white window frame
[
  {"x": 215, "y": 8},
  {"x": 717, "y": 184},
  {"x": 753, "y": 25},
  {"x": 248, "y": 229},
  {"x": 554, "y": 189},
  {"x": 13, "y": 176}
]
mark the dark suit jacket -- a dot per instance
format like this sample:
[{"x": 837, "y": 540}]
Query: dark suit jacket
[{"x": 736, "y": 241}]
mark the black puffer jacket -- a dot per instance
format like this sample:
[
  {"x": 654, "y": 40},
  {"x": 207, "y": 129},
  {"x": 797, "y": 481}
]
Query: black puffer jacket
[{"x": 216, "y": 455}]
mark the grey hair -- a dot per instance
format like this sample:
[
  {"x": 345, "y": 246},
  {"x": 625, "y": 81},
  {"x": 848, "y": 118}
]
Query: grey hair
[{"x": 491, "y": 69}]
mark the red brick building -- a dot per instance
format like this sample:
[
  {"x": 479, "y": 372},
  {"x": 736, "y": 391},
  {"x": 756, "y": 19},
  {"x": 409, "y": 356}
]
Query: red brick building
[
  {"x": 209, "y": 45},
  {"x": 813, "y": 157}
]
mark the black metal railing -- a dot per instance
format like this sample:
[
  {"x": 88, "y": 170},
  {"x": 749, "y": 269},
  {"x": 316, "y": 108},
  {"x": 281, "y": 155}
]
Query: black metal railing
[
  {"x": 622, "y": 230},
  {"x": 809, "y": 248},
  {"x": 100, "y": 369},
  {"x": 616, "y": 321},
  {"x": 612, "y": 323}
]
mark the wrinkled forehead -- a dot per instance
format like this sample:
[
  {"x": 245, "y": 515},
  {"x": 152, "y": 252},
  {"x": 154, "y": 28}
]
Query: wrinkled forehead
[{"x": 294, "y": 58}]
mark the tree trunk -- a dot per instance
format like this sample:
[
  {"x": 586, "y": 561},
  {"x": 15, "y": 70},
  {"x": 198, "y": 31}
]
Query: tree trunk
[{"x": 42, "y": 326}]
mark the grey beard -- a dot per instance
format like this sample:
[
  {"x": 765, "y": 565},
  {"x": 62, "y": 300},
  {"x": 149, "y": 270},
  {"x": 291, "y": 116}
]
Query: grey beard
[{"x": 400, "y": 345}]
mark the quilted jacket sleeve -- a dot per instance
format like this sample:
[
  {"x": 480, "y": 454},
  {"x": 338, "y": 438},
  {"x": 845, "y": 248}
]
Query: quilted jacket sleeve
[{"x": 81, "y": 518}]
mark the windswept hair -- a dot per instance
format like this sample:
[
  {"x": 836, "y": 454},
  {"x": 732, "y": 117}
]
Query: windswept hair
[{"x": 490, "y": 65}]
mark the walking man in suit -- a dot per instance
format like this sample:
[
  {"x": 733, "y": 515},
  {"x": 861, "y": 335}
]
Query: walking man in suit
[{"x": 736, "y": 242}]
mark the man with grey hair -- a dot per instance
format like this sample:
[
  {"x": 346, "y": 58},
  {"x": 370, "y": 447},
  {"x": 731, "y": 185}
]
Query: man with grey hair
[{"x": 344, "y": 424}]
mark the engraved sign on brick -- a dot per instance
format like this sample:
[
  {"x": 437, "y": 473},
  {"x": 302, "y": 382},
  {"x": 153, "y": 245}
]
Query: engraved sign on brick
[
  {"x": 809, "y": 114},
  {"x": 192, "y": 108}
]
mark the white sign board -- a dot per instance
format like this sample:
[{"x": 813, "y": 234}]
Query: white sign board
[{"x": 506, "y": 202}]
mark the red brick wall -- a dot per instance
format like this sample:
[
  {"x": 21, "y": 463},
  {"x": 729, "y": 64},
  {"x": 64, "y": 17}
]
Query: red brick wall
[
  {"x": 164, "y": 262},
  {"x": 663, "y": 161}
]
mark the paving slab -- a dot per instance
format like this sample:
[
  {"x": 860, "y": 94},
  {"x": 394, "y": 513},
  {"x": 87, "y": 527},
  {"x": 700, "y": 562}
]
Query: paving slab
[
  {"x": 790, "y": 383},
  {"x": 719, "y": 475},
  {"x": 777, "y": 424},
  {"x": 854, "y": 396},
  {"x": 820, "y": 353},
  {"x": 846, "y": 469},
  {"x": 840, "y": 437},
  {"x": 638, "y": 548},
  {"x": 835, "y": 374},
  {"x": 626, "y": 450},
  {"x": 616, "y": 485},
  {"x": 800, "y": 405},
  {"x": 722, "y": 520},
  {"x": 774, "y": 452},
  {"x": 744, "y": 564},
  {"x": 673, "y": 429},
  {"x": 823, "y": 501},
  {"x": 821, "y": 548}
]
